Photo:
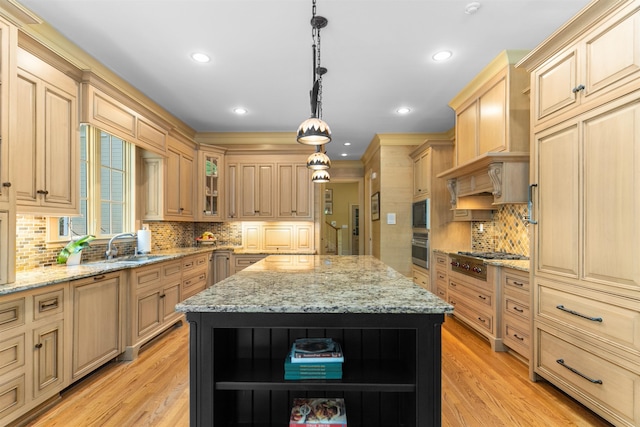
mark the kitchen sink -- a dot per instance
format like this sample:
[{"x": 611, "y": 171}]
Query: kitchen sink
[{"x": 137, "y": 259}]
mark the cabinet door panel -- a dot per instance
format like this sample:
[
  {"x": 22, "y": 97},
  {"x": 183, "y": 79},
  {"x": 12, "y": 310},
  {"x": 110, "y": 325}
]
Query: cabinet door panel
[
  {"x": 555, "y": 83},
  {"x": 186, "y": 185},
  {"x": 96, "y": 323},
  {"x": 612, "y": 196},
  {"x": 466, "y": 134},
  {"x": 557, "y": 206},
  {"x": 24, "y": 152},
  {"x": 492, "y": 121},
  {"x": 172, "y": 183},
  {"x": 48, "y": 359}
]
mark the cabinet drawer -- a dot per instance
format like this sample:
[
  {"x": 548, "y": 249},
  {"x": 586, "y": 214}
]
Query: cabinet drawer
[
  {"x": 517, "y": 308},
  {"x": 12, "y": 395},
  {"x": 12, "y": 314},
  {"x": 244, "y": 261},
  {"x": 146, "y": 276},
  {"x": 441, "y": 291},
  {"x": 441, "y": 262},
  {"x": 515, "y": 282},
  {"x": 171, "y": 270},
  {"x": 586, "y": 375},
  {"x": 11, "y": 354},
  {"x": 601, "y": 316},
  {"x": 195, "y": 262},
  {"x": 48, "y": 304},
  {"x": 194, "y": 284},
  {"x": 517, "y": 337},
  {"x": 476, "y": 295},
  {"x": 483, "y": 320},
  {"x": 441, "y": 276}
]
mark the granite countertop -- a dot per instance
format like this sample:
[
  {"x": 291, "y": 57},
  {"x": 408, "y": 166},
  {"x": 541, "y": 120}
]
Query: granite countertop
[
  {"x": 316, "y": 284},
  {"x": 59, "y": 273}
]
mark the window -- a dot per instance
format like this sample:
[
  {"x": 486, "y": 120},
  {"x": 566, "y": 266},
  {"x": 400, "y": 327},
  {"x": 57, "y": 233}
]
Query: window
[{"x": 106, "y": 188}]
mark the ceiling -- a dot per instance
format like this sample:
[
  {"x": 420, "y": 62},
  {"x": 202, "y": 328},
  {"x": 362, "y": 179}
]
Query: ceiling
[{"x": 377, "y": 52}]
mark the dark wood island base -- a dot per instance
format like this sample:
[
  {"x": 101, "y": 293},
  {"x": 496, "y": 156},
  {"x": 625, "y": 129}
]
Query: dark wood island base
[{"x": 242, "y": 329}]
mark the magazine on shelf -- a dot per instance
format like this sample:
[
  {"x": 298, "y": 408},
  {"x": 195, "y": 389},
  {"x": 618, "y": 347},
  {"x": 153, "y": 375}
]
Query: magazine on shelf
[
  {"x": 316, "y": 350},
  {"x": 317, "y": 376},
  {"x": 318, "y": 412},
  {"x": 311, "y": 366}
]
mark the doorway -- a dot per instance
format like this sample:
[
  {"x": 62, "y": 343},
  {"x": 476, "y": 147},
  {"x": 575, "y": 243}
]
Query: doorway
[{"x": 340, "y": 218}]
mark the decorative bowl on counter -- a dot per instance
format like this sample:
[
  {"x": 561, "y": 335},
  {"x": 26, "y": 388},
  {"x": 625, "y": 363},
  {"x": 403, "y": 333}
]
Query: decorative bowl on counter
[{"x": 206, "y": 241}]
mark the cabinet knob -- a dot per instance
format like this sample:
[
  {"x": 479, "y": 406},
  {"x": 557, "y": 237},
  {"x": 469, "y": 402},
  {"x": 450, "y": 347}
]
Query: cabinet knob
[
  {"x": 162, "y": 296},
  {"x": 6, "y": 184},
  {"x": 45, "y": 192},
  {"x": 39, "y": 345}
]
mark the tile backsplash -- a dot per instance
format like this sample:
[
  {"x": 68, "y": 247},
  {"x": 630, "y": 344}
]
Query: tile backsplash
[
  {"x": 33, "y": 251},
  {"x": 508, "y": 232}
]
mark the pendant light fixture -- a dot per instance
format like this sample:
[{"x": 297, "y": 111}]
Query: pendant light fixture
[{"x": 314, "y": 130}]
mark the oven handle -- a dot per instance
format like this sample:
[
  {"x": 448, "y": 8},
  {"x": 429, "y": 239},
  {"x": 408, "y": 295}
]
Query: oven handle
[{"x": 421, "y": 243}]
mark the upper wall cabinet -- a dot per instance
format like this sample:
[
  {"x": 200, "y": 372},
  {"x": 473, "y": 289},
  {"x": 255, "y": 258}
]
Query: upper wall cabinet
[
  {"x": 168, "y": 182},
  {"x": 113, "y": 115},
  {"x": 595, "y": 69},
  {"x": 210, "y": 177},
  {"x": 46, "y": 144},
  {"x": 492, "y": 111},
  {"x": 268, "y": 187},
  {"x": 8, "y": 38}
]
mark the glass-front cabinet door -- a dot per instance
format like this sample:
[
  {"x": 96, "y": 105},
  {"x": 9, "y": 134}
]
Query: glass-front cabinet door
[{"x": 210, "y": 170}]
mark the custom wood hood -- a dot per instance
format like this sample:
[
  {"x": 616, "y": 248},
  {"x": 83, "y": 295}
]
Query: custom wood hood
[
  {"x": 490, "y": 180},
  {"x": 492, "y": 138}
]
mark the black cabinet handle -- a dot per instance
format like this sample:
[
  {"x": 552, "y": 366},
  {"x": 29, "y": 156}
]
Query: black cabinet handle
[
  {"x": 100, "y": 277},
  {"x": 39, "y": 345},
  {"x": 45, "y": 192},
  {"x": 518, "y": 309},
  {"x": 578, "y": 88},
  {"x": 6, "y": 184},
  {"x": 575, "y": 371},
  {"x": 575, "y": 313}
]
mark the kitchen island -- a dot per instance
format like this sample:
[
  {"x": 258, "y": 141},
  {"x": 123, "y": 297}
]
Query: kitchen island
[{"x": 243, "y": 327}]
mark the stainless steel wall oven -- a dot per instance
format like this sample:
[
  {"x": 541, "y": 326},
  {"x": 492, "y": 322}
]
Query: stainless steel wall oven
[{"x": 420, "y": 249}]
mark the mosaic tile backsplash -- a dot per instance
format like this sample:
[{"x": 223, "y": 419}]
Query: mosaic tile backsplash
[
  {"x": 508, "y": 232},
  {"x": 33, "y": 251}
]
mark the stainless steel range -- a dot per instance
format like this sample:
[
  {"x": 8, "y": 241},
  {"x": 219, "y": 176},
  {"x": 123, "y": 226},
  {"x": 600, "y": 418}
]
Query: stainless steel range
[{"x": 472, "y": 264}]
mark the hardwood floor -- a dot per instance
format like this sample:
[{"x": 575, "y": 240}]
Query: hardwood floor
[{"x": 479, "y": 388}]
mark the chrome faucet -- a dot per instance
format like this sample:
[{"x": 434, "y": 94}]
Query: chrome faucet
[{"x": 112, "y": 251}]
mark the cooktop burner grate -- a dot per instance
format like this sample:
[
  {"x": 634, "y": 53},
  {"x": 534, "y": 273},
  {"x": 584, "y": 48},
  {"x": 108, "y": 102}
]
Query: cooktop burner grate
[{"x": 494, "y": 255}]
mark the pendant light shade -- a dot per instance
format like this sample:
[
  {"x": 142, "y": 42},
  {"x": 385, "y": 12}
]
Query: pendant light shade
[
  {"x": 314, "y": 131},
  {"x": 318, "y": 161},
  {"x": 320, "y": 176}
]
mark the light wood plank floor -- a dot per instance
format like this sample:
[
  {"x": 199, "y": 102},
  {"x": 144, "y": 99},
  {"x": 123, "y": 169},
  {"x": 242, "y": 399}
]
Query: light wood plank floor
[{"x": 479, "y": 388}]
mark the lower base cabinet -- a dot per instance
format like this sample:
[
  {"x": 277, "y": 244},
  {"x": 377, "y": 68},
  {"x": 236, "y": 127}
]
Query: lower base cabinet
[
  {"x": 98, "y": 305},
  {"x": 221, "y": 265},
  {"x": 237, "y": 367}
]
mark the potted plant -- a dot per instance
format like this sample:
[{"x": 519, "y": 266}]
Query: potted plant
[{"x": 72, "y": 253}]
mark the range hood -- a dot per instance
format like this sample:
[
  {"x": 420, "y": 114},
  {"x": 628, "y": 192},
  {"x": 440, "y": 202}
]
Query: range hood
[{"x": 488, "y": 181}]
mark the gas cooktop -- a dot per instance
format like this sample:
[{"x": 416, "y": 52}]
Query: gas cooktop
[{"x": 494, "y": 255}]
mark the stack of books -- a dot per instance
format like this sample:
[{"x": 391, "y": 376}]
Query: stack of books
[
  {"x": 314, "y": 358},
  {"x": 318, "y": 412}
]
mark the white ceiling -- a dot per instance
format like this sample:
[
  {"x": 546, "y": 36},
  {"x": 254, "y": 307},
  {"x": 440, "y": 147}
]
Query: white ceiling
[{"x": 377, "y": 52}]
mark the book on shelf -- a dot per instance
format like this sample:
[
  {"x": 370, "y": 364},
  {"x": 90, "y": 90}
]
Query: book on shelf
[
  {"x": 318, "y": 412},
  {"x": 313, "y": 376},
  {"x": 316, "y": 350}
]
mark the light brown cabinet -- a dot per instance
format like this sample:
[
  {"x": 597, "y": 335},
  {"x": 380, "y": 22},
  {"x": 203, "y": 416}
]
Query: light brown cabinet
[
  {"x": 295, "y": 192},
  {"x": 597, "y": 66},
  {"x": 46, "y": 145},
  {"x": 210, "y": 184},
  {"x": 585, "y": 238},
  {"x": 8, "y": 74},
  {"x": 422, "y": 175},
  {"x": 195, "y": 271},
  {"x": 221, "y": 265},
  {"x": 492, "y": 112},
  {"x": 268, "y": 187},
  {"x": 179, "y": 180},
  {"x": 516, "y": 311},
  {"x": 421, "y": 277},
  {"x": 98, "y": 308},
  {"x": 154, "y": 290},
  {"x": 442, "y": 276},
  {"x": 168, "y": 182},
  {"x": 33, "y": 349}
]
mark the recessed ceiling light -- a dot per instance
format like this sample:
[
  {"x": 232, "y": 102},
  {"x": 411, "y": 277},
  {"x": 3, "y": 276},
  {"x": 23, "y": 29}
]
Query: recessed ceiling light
[
  {"x": 344, "y": 154},
  {"x": 403, "y": 110},
  {"x": 442, "y": 56},
  {"x": 240, "y": 110},
  {"x": 472, "y": 8},
  {"x": 347, "y": 143},
  {"x": 200, "y": 57}
]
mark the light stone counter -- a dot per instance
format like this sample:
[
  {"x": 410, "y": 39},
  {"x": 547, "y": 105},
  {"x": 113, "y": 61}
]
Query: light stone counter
[
  {"x": 316, "y": 284},
  {"x": 38, "y": 277}
]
